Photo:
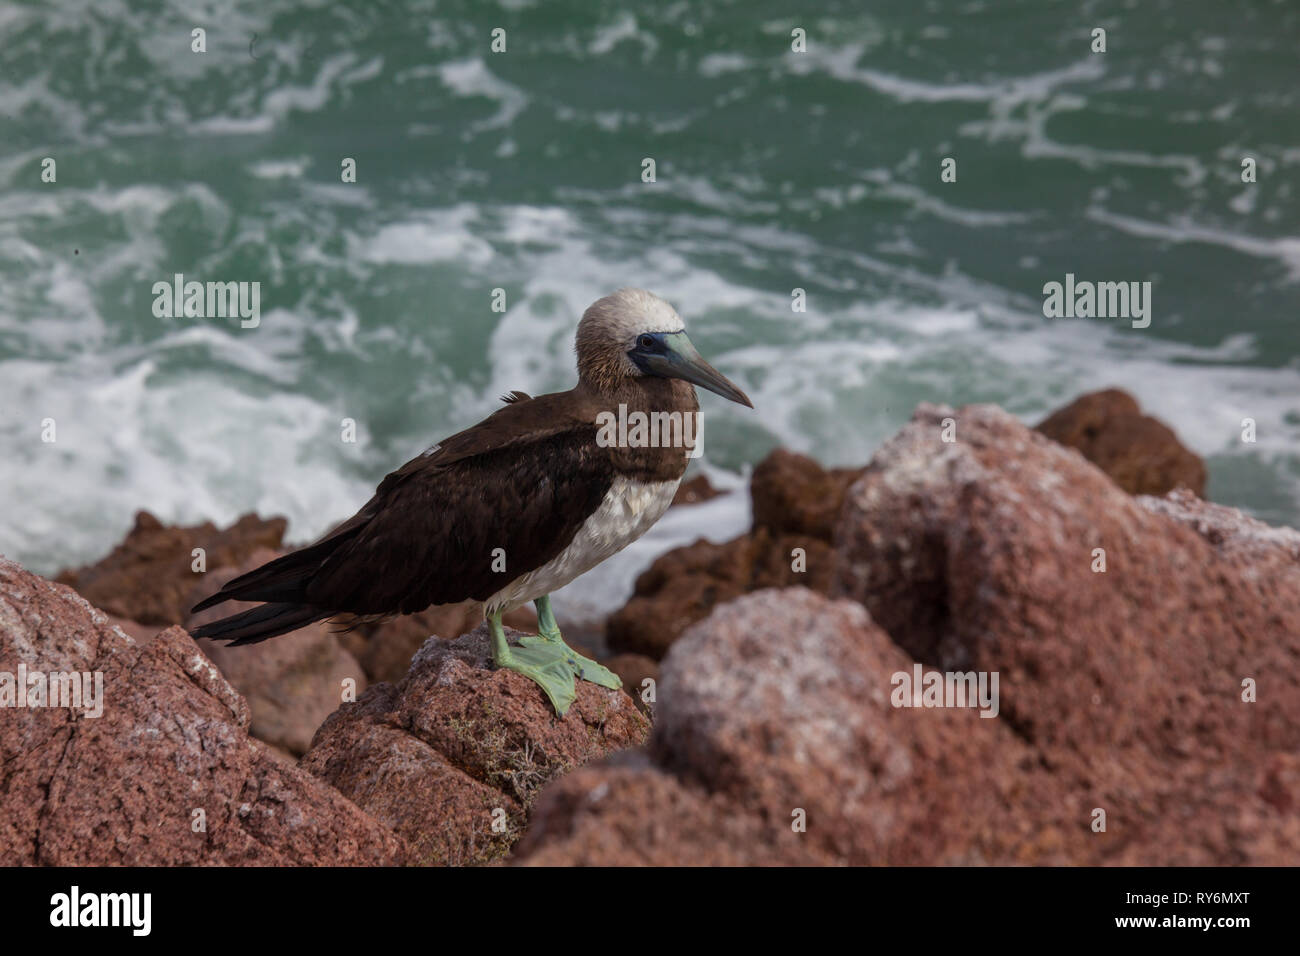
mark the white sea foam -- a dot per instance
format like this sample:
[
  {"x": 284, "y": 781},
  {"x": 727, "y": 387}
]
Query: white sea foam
[
  {"x": 717, "y": 64},
  {"x": 832, "y": 382},
  {"x": 189, "y": 450},
  {"x": 472, "y": 78},
  {"x": 1285, "y": 249},
  {"x": 843, "y": 64},
  {"x": 623, "y": 27},
  {"x": 280, "y": 168},
  {"x": 428, "y": 236}
]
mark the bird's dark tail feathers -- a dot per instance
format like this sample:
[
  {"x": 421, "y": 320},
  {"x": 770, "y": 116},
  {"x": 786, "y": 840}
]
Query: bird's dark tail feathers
[
  {"x": 282, "y": 584},
  {"x": 260, "y": 623},
  {"x": 282, "y": 579}
]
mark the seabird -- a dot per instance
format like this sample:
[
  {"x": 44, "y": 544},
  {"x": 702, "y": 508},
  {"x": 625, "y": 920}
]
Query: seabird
[{"x": 510, "y": 509}]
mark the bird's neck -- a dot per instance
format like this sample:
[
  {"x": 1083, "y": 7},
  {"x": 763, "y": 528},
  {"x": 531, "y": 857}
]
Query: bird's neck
[
  {"x": 648, "y": 394},
  {"x": 665, "y": 460}
]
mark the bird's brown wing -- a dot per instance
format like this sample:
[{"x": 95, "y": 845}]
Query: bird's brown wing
[
  {"x": 464, "y": 522},
  {"x": 523, "y": 480}
]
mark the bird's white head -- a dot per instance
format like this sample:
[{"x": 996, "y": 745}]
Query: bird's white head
[{"x": 632, "y": 334}]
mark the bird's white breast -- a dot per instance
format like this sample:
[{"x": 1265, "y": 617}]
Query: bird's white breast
[{"x": 628, "y": 510}]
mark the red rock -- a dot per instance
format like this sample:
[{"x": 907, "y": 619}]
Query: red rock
[
  {"x": 389, "y": 645},
  {"x": 633, "y": 670},
  {"x": 1141, "y": 454},
  {"x": 795, "y": 502},
  {"x": 445, "y": 815},
  {"x": 792, "y": 494},
  {"x": 679, "y": 588},
  {"x": 436, "y": 755},
  {"x": 979, "y": 554},
  {"x": 148, "y": 577},
  {"x": 625, "y": 812},
  {"x": 775, "y": 708},
  {"x": 292, "y": 682},
  {"x": 140, "y": 633},
  {"x": 683, "y": 585},
  {"x": 1119, "y": 690},
  {"x": 122, "y": 788},
  {"x": 782, "y": 702},
  {"x": 695, "y": 491}
]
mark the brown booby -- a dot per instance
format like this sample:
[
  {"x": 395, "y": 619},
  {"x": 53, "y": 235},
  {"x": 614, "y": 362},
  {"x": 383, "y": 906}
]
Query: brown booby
[{"x": 510, "y": 509}]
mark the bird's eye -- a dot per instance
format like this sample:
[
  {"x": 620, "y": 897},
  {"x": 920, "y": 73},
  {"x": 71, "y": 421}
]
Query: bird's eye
[{"x": 646, "y": 342}]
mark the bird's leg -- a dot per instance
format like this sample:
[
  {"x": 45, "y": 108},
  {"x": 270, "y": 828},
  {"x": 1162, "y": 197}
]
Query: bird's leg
[
  {"x": 548, "y": 635},
  {"x": 546, "y": 665},
  {"x": 546, "y": 624}
]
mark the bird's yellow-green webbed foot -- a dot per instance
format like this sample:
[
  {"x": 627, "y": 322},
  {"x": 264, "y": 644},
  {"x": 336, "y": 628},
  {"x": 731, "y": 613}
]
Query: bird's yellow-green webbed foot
[
  {"x": 545, "y": 665},
  {"x": 548, "y": 636}
]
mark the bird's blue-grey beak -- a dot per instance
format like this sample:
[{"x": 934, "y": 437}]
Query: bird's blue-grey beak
[{"x": 675, "y": 357}]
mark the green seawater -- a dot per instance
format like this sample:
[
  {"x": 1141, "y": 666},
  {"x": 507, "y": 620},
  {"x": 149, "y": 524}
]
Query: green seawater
[{"x": 522, "y": 171}]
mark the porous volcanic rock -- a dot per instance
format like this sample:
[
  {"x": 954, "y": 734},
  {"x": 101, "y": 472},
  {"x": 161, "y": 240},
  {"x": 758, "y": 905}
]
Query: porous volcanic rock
[
  {"x": 167, "y": 774},
  {"x": 776, "y": 742},
  {"x": 795, "y": 502},
  {"x": 695, "y": 491},
  {"x": 453, "y": 755},
  {"x": 1126, "y": 631},
  {"x": 794, "y": 495},
  {"x": 387, "y": 646},
  {"x": 634, "y": 670},
  {"x": 149, "y": 577},
  {"x": 626, "y": 812},
  {"x": 292, "y": 682},
  {"x": 1140, "y": 453},
  {"x": 1147, "y": 652}
]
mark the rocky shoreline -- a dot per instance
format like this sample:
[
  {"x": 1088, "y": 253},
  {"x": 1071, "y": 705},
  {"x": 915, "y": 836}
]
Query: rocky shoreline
[{"x": 1146, "y": 645}]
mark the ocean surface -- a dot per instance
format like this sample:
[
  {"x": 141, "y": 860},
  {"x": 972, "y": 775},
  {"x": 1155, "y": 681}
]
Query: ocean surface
[{"x": 522, "y": 170}]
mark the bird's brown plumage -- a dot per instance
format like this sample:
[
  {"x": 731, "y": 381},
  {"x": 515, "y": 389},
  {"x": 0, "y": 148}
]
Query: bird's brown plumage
[{"x": 524, "y": 480}]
